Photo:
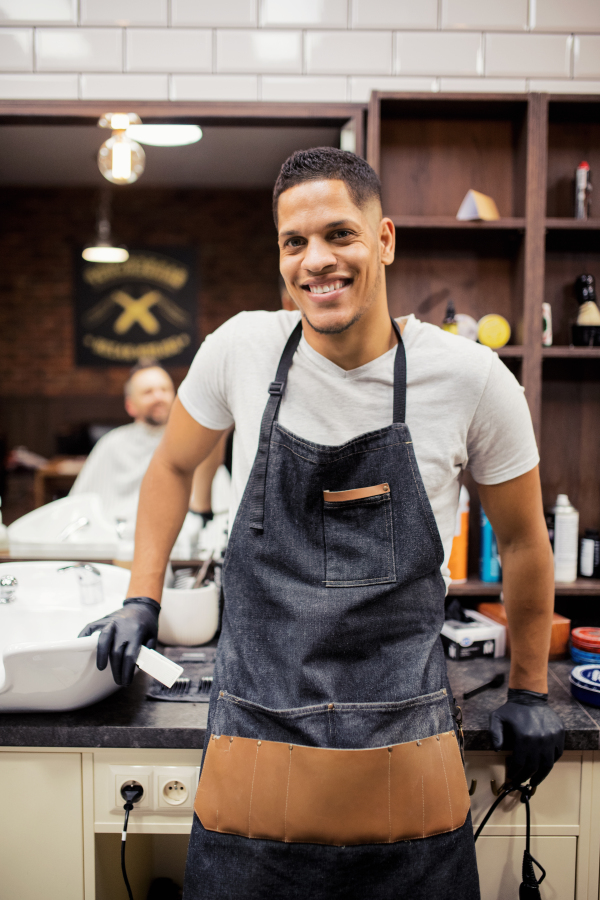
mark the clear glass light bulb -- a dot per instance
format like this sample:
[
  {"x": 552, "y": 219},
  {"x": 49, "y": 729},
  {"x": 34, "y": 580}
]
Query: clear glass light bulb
[{"x": 120, "y": 159}]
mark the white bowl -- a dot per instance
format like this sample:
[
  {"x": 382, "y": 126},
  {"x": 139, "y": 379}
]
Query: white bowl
[{"x": 189, "y": 617}]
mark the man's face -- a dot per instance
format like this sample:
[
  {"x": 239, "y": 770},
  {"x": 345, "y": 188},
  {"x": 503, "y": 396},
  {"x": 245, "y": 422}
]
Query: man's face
[
  {"x": 150, "y": 396},
  {"x": 332, "y": 253}
]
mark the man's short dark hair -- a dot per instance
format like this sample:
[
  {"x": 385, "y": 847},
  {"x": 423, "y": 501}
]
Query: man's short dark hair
[
  {"x": 328, "y": 164},
  {"x": 144, "y": 362}
]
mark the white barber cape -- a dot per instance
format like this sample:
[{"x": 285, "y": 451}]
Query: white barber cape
[{"x": 116, "y": 466}]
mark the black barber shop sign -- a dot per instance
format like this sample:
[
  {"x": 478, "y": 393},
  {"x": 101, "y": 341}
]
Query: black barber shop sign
[{"x": 146, "y": 306}]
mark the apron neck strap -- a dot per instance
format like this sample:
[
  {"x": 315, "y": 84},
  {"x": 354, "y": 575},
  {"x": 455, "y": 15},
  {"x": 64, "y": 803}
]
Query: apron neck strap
[
  {"x": 399, "y": 378},
  {"x": 276, "y": 389}
]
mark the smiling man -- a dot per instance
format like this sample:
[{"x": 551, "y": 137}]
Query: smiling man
[{"x": 332, "y": 767}]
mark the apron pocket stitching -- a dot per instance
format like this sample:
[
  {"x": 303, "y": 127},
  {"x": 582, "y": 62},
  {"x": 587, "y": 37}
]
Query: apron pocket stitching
[
  {"x": 252, "y": 787},
  {"x": 287, "y": 794},
  {"x": 360, "y": 582},
  {"x": 447, "y": 785}
]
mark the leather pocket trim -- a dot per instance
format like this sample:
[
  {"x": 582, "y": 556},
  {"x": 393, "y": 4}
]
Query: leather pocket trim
[
  {"x": 356, "y": 493},
  {"x": 297, "y": 794}
]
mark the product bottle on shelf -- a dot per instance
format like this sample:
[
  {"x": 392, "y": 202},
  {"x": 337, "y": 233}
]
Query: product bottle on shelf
[
  {"x": 546, "y": 325},
  {"x": 583, "y": 190},
  {"x": 449, "y": 323},
  {"x": 589, "y": 554},
  {"x": 460, "y": 543},
  {"x": 489, "y": 560},
  {"x": 566, "y": 540}
]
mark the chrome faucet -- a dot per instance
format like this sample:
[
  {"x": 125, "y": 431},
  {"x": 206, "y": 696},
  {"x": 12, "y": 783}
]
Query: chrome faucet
[
  {"x": 8, "y": 588},
  {"x": 72, "y": 527},
  {"x": 90, "y": 582}
]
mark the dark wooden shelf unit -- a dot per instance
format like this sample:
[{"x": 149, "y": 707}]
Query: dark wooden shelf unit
[
  {"x": 513, "y": 223},
  {"x": 522, "y": 151},
  {"x": 564, "y": 224},
  {"x": 583, "y": 587}
]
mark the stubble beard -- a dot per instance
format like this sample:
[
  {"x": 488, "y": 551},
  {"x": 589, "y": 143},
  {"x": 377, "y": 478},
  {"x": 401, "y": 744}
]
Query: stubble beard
[{"x": 343, "y": 326}]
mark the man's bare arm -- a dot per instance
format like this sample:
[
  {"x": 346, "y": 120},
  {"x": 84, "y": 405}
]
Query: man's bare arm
[
  {"x": 164, "y": 498},
  {"x": 515, "y": 511}
]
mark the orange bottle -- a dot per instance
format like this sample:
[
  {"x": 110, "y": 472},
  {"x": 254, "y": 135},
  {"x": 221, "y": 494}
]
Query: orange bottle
[{"x": 460, "y": 544}]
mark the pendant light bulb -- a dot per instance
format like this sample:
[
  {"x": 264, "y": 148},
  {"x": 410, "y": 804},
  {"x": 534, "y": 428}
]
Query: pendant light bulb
[
  {"x": 121, "y": 160},
  {"x": 102, "y": 250}
]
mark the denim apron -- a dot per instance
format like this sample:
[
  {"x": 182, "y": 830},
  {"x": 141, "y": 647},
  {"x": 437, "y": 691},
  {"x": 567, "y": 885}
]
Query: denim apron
[{"x": 330, "y": 638}]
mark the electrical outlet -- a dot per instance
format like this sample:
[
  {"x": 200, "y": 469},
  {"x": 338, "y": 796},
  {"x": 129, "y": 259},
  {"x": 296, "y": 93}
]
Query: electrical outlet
[
  {"x": 122, "y": 775},
  {"x": 175, "y": 786}
]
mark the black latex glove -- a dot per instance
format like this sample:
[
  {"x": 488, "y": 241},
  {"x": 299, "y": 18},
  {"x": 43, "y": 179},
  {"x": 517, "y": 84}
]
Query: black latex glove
[
  {"x": 122, "y": 633},
  {"x": 536, "y": 735}
]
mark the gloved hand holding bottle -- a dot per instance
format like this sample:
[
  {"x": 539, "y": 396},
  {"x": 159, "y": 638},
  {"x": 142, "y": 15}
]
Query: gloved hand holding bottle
[
  {"x": 122, "y": 633},
  {"x": 526, "y": 725}
]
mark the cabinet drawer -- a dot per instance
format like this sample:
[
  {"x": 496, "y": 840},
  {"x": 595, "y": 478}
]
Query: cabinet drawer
[
  {"x": 499, "y": 860},
  {"x": 554, "y": 808}
]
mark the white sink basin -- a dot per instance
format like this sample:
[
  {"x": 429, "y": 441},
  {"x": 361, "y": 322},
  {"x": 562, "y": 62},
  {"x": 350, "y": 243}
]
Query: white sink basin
[
  {"x": 43, "y": 664},
  {"x": 60, "y": 528}
]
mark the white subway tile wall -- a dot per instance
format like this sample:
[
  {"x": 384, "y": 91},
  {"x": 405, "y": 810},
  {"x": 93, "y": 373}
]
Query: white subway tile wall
[
  {"x": 38, "y": 12},
  {"x": 304, "y": 14},
  {"x": 16, "y": 49},
  {"x": 124, "y": 12},
  {"x": 214, "y": 13},
  {"x": 124, "y": 87},
  {"x": 39, "y": 87},
  {"x": 438, "y": 53},
  {"x": 586, "y": 62},
  {"x": 483, "y": 85},
  {"x": 259, "y": 51},
  {"x": 343, "y": 52},
  {"x": 294, "y": 50},
  {"x": 79, "y": 49},
  {"x": 565, "y": 15},
  {"x": 214, "y": 87},
  {"x": 292, "y": 88},
  {"x": 169, "y": 50},
  {"x": 398, "y": 14},
  {"x": 494, "y": 15},
  {"x": 541, "y": 55}
]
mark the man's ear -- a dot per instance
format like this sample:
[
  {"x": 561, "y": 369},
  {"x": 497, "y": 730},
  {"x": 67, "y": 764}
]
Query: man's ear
[
  {"x": 387, "y": 240},
  {"x": 130, "y": 407}
]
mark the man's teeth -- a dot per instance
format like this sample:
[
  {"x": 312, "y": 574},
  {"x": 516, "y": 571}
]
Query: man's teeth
[{"x": 326, "y": 288}]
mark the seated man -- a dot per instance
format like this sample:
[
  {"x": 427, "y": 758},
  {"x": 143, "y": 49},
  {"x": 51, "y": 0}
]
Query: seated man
[{"x": 117, "y": 464}]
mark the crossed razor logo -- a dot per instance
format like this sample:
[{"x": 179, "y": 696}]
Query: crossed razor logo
[{"x": 136, "y": 310}]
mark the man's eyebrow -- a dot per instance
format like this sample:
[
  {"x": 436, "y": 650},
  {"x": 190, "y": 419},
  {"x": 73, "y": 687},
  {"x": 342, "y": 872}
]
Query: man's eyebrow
[{"x": 329, "y": 225}]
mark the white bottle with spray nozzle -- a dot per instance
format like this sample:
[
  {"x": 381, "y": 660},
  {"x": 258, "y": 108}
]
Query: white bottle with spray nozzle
[{"x": 566, "y": 540}]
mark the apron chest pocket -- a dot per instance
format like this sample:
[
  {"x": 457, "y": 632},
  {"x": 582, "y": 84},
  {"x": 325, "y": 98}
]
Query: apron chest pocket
[{"x": 359, "y": 537}]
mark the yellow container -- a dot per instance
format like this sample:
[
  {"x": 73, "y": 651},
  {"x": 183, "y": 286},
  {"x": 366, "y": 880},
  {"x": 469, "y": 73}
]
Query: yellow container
[{"x": 493, "y": 331}]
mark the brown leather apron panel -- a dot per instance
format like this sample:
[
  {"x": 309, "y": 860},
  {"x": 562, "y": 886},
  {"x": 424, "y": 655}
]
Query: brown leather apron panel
[{"x": 297, "y": 794}]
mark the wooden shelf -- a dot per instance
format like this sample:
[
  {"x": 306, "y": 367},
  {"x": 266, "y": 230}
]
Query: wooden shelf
[
  {"x": 447, "y": 222},
  {"x": 566, "y": 224},
  {"x": 589, "y": 587},
  {"x": 514, "y": 350},
  {"x": 571, "y": 352}
]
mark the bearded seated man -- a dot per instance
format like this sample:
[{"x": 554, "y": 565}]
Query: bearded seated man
[{"x": 117, "y": 464}]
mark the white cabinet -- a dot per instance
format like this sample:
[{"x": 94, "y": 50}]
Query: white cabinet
[
  {"x": 41, "y": 828},
  {"x": 499, "y": 861},
  {"x": 60, "y": 826}
]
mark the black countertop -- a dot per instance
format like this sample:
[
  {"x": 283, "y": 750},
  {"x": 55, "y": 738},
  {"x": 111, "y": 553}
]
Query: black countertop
[{"x": 128, "y": 719}]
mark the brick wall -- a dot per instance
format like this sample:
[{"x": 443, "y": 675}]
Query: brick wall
[
  {"x": 41, "y": 389},
  {"x": 286, "y": 50}
]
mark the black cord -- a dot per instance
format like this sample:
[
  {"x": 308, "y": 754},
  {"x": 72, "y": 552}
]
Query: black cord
[
  {"x": 131, "y": 793},
  {"x": 128, "y": 807}
]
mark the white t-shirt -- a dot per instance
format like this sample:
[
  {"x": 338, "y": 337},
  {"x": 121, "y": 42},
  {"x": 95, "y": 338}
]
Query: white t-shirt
[
  {"x": 116, "y": 466},
  {"x": 464, "y": 408}
]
